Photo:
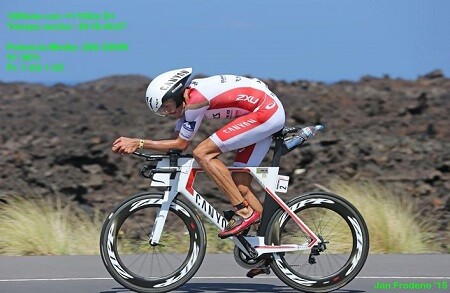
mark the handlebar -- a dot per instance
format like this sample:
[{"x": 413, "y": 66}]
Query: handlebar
[
  {"x": 158, "y": 157},
  {"x": 148, "y": 171},
  {"x": 150, "y": 157}
]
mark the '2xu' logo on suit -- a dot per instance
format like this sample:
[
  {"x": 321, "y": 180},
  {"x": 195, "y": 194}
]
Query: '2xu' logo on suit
[{"x": 246, "y": 98}]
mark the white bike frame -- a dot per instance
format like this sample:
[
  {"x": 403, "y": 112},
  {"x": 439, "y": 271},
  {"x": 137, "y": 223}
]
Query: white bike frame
[{"x": 183, "y": 181}]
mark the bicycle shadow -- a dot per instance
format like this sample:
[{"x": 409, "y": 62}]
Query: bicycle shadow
[
  {"x": 240, "y": 287},
  {"x": 230, "y": 287}
]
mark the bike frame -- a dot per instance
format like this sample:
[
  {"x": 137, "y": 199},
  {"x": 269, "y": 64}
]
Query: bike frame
[
  {"x": 175, "y": 174},
  {"x": 179, "y": 179}
]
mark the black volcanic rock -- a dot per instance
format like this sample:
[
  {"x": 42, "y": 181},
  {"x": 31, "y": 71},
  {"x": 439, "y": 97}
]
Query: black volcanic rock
[{"x": 58, "y": 138}]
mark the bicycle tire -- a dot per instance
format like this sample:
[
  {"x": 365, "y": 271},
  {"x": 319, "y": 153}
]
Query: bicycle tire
[
  {"x": 131, "y": 260},
  {"x": 328, "y": 215}
]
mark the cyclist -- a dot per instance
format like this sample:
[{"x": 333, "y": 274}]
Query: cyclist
[{"x": 256, "y": 114}]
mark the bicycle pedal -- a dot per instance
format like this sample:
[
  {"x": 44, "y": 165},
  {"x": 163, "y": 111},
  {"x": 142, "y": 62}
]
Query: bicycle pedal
[{"x": 258, "y": 271}]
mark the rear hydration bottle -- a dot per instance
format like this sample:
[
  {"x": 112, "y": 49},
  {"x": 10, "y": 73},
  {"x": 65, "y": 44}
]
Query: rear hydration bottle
[{"x": 301, "y": 136}]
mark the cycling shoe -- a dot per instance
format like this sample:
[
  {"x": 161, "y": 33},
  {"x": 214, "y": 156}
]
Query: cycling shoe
[{"x": 237, "y": 224}]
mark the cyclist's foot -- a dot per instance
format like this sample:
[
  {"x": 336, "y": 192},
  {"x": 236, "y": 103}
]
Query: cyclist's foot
[
  {"x": 238, "y": 224},
  {"x": 258, "y": 271}
]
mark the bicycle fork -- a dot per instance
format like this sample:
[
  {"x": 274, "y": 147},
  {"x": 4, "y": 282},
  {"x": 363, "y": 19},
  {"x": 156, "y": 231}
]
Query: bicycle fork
[{"x": 160, "y": 218}]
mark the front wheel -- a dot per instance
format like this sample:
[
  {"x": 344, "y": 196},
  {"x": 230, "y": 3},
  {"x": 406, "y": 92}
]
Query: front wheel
[
  {"x": 339, "y": 256},
  {"x": 136, "y": 264}
]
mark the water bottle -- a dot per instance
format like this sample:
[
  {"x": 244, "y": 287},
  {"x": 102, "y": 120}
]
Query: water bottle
[
  {"x": 301, "y": 136},
  {"x": 293, "y": 141},
  {"x": 309, "y": 131}
]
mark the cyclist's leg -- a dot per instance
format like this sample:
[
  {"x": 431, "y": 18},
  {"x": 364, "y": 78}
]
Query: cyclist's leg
[
  {"x": 206, "y": 154},
  {"x": 255, "y": 133},
  {"x": 243, "y": 181},
  {"x": 251, "y": 155},
  {"x": 244, "y": 131}
]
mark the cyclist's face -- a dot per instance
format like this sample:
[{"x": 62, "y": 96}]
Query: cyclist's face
[{"x": 170, "y": 109}]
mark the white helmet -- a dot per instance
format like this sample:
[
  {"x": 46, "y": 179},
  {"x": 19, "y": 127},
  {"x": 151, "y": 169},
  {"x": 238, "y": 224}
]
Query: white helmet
[{"x": 167, "y": 86}]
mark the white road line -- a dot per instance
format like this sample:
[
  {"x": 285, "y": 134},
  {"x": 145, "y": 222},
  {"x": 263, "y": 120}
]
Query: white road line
[{"x": 240, "y": 277}]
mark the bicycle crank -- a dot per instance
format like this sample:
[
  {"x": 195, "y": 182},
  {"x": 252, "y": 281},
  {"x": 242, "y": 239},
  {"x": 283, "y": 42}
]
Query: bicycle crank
[
  {"x": 245, "y": 261},
  {"x": 250, "y": 249}
]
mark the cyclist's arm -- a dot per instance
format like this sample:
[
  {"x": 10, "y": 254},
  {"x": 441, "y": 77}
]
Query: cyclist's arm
[
  {"x": 127, "y": 145},
  {"x": 166, "y": 144},
  {"x": 193, "y": 119},
  {"x": 185, "y": 130}
]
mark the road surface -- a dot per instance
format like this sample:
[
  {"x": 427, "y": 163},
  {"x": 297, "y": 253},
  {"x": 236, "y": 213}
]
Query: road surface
[{"x": 219, "y": 273}]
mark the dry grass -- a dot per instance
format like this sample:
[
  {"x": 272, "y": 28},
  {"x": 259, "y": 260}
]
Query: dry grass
[
  {"x": 46, "y": 226},
  {"x": 34, "y": 225},
  {"x": 216, "y": 244},
  {"x": 393, "y": 222}
]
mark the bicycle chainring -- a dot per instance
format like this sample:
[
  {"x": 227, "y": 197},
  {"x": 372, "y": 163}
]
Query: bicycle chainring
[{"x": 245, "y": 261}]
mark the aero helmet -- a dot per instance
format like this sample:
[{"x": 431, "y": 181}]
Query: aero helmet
[{"x": 167, "y": 86}]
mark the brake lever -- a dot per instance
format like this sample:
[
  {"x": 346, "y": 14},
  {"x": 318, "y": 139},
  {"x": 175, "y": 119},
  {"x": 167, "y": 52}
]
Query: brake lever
[
  {"x": 152, "y": 170},
  {"x": 145, "y": 169}
]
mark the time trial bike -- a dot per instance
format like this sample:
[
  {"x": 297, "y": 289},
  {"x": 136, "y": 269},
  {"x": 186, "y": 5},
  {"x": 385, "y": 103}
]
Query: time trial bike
[{"x": 155, "y": 241}]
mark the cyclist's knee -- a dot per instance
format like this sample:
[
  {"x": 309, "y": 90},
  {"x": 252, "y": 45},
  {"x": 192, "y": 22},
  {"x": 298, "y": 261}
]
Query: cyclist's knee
[
  {"x": 205, "y": 151},
  {"x": 197, "y": 154},
  {"x": 200, "y": 154}
]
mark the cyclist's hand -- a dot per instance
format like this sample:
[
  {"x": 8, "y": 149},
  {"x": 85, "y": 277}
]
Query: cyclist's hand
[{"x": 125, "y": 145}]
